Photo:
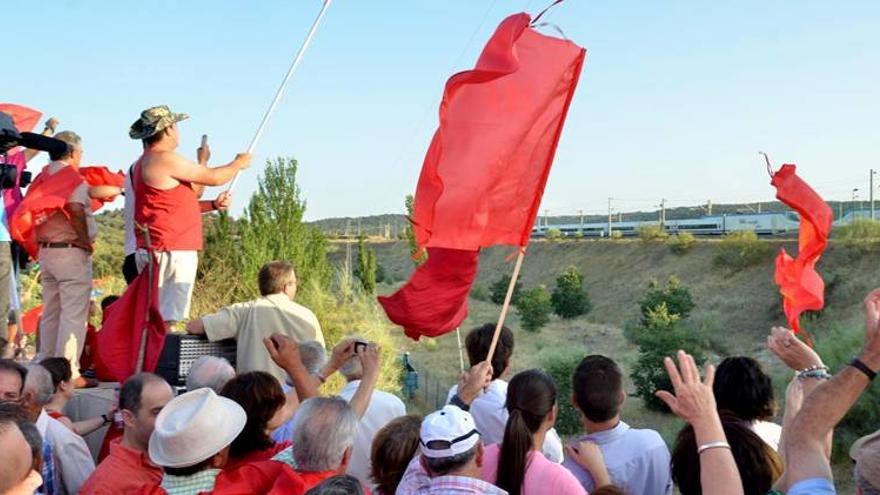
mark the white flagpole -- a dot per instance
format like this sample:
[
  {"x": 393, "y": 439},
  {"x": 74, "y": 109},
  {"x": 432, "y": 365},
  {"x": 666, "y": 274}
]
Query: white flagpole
[{"x": 277, "y": 99}]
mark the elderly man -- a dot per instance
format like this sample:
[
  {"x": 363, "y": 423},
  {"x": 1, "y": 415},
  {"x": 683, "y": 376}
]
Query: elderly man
[
  {"x": 313, "y": 357},
  {"x": 12, "y": 376},
  {"x": 66, "y": 458},
  {"x": 65, "y": 247},
  {"x": 383, "y": 408},
  {"x": 209, "y": 371},
  {"x": 451, "y": 457},
  {"x": 250, "y": 323},
  {"x": 167, "y": 188},
  {"x": 128, "y": 467}
]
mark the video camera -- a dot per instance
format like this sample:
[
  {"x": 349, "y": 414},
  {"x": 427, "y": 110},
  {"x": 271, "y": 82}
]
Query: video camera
[{"x": 10, "y": 138}]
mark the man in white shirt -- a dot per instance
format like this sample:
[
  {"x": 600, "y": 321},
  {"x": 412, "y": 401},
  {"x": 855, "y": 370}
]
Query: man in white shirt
[
  {"x": 71, "y": 458},
  {"x": 250, "y": 323},
  {"x": 383, "y": 408},
  {"x": 637, "y": 460},
  {"x": 488, "y": 408}
]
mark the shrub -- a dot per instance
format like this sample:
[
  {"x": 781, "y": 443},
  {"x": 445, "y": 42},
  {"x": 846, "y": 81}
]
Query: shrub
[
  {"x": 480, "y": 293},
  {"x": 498, "y": 290},
  {"x": 652, "y": 233},
  {"x": 366, "y": 266},
  {"x": 649, "y": 373},
  {"x": 675, "y": 296},
  {"x": 616, "y": 234},
  {"x": 534, "y": 308},
  {"x": 561, "y": 367},
  {"x": 554, "y": 234},
  {"x": 740, "y": 249},
  {"x": 569, "y": 298},
  {"x": 860, "y": 229},
  {"x": 681, "y": 243}
]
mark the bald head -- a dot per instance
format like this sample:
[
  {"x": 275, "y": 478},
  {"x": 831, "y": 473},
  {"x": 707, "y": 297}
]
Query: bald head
[
  {"x": 209, "y": 372},
  {"x": 17, "y": 456}
]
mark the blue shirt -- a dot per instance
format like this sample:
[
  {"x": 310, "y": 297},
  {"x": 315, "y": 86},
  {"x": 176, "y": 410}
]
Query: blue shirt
[
  {"x": 812, "y": 486},
  {"x": 637, "y": 460}
]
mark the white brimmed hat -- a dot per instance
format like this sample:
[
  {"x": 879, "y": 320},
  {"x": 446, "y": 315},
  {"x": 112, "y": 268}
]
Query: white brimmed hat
[
  {"x": 866, "y": 453},
  {"x": 447, "y": 433},
  {"x": 193, "y": 427}
]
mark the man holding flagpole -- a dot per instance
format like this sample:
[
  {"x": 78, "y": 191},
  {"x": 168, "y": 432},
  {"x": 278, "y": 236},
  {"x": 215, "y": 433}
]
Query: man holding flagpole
[{"x": 167, "y": 205}]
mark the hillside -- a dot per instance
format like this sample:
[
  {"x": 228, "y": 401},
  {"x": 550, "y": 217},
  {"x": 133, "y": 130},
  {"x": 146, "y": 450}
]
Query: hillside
[{"x": 742, "y": 305}]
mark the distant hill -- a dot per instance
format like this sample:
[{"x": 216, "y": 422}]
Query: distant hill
[{"x": 393, "y": 224}]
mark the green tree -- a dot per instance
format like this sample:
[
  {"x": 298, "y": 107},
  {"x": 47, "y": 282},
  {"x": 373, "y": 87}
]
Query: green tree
[
  {"x": 569, "y": 297},
  {"x": 740, "y": 249},
  {"x": 366, "y": 268},
  {"x": 498, "y": 290},
  {"x": 534, "y": 308},
  {"x": 411, "y": 234},
  {"x": 674, "y": 295}
]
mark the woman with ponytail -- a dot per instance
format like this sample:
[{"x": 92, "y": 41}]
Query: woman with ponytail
[{"x": 517, "y": 464}]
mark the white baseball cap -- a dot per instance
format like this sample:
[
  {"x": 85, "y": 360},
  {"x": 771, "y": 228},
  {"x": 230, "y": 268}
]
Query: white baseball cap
[
  {"x": 194, "y": 427},
  {"x": 447, "y": 433}
]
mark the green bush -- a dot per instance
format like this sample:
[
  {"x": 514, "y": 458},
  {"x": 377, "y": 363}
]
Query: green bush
[
  {"x": 498, "y": 290},
  {"x": 480, "y": 293},
  {"x": 675, "y": 296},
  {"x": 554, "y": 234},
  {"x": 861, "y": 232},
  {"x": 655, "y": 343},
  {"x": 652, "y": 233},
  {"x": 681, "y": 243},
  {"x": 740, "y": 249},
  {"x": 616, "y": 234},
  {"x": 569, "y": 298},
  {"x": 534, "y": 308},
  {"x": 561, "y": 367},
  {"x": 366, "y": 266}
]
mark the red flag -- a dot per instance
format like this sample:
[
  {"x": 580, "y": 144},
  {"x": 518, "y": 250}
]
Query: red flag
[
  {"x": 24, "y": 118},
  {"x": 97, "y": 175},
  {"x": 799, "y": 283},
  {"x": 46, "y": 195},
  {"x": 119, "y": 340},
  {"x": 434, "y": 301},
  {"x": 484, "y": 173}
]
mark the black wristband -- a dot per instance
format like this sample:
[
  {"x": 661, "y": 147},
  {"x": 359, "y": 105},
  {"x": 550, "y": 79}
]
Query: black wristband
[
  {"x": 859, "y": 365},
  {"x": 105, "y": 418},
  {"x": 214, "y": 204},
  {"x": 457, "y": 402}
]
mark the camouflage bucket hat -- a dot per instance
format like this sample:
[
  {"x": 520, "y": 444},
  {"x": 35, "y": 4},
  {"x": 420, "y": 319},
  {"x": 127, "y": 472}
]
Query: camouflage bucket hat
[{"x": 154, "y": 120}]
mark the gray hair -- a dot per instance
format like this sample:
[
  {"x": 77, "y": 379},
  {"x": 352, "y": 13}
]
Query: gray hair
[
  {"x": 312, "y": 355},
  {"x": 74, "y": 142},
  {"x": 323, "y": 428},
  {"x": 341, "y": 484},
  {"x": 209, "y": 372},
  {"x": 442, "y": 466},
  {"x": 39, "y": 383},
  {"x": 353, "y": 369}
]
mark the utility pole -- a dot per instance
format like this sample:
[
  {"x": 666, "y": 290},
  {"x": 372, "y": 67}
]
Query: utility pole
[
  {"x": 871, "y": 194},
  {"x": 609, "y": 217},
  {"x": 663, "y": 213},
  {"x": 547, "y": 219},
  {"x": 581, "y": 213},
  {"x": 709, "y": 207}
]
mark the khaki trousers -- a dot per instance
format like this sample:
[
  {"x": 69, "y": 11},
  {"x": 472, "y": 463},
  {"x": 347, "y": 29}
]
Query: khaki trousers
[{"x": 67, "y": 288}]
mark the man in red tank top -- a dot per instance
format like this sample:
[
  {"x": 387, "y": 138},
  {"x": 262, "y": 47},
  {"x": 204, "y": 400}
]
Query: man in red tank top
[{"x": 167, "y": 192}]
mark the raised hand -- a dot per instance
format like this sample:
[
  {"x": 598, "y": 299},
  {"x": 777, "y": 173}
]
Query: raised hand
[
  {"x": 370, "y": 359},
  {"x": 790, "y": 350},
  {"x": 242, "y": 160},
  {"x": 471, "y": 383},
  {"x": 694, "y": 400},
  {"x": 223, "y": 201},
  {"x": 283, "y": 350},
  {"x": 872, "y": 321}
]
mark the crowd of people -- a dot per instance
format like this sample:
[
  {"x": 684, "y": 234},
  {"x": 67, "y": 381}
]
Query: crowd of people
[{"x": 264, "y": 425}]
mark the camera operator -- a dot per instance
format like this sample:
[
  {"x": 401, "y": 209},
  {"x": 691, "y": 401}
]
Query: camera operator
[{"x": 11, "y": 256}]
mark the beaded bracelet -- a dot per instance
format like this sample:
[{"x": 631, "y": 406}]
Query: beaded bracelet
[{"x": 818, "y": 374}]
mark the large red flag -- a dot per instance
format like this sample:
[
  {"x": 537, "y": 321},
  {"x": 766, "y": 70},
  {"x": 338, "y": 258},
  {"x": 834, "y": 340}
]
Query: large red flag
[
  {"x": 799, "y": 283},
  {"x": 24, "y": 118},
  {"x": 46, "y": 195},
  {"x": 97, "y": 175},
  {"x": 484, "y": 173},
  {"x": 119, "y": 340}
]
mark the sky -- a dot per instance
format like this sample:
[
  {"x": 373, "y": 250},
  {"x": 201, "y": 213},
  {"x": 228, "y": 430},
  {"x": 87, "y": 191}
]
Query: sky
[{"x": 676, "y": 98}]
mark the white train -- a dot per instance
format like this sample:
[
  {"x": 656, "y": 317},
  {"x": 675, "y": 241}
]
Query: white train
[{"x": 760, "y": 223}]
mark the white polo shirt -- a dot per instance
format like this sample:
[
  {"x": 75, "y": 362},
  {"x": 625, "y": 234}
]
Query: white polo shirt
[
  {"x": 383, "y": 408},
  {"x": 73, "y": 461},
  {"x": 490, "y": 416}
]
